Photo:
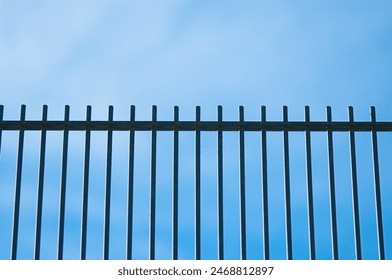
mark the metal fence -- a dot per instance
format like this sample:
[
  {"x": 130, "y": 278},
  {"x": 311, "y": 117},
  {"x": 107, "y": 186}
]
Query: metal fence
[{"x": 219, "y": 127}]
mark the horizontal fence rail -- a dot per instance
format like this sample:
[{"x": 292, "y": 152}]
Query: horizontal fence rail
[
  {"x": 269, "y": 211},
  {"x": 195, "y": 125}
]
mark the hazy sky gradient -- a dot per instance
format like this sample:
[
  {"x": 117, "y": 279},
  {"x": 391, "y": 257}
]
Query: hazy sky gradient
[{"x": 192, "y": 53}]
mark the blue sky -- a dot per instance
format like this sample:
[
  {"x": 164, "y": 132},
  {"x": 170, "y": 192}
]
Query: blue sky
[{"x": 189, "y": 53}]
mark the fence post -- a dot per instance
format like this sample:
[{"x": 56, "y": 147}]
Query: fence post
[
  {"x": 220, "y": 187},
  {"x": 289, "y": 245},
  {"x": 153, "y": 183},
  {"x": 197, "y": 189},
  {"x": 108, "y": 187},
  {"x": 331, "y": 170},
  {"x": 131, "y": 171},
  {"x": 242, "y": 184},
  {"x": 63, "y": 186},
  {"x": 354, "y": 181},
  {"x": 265, "y": 220},
  {"x": 18, "y": 185},
  {"x": 309, "y": 183},
  {"x": 86, "y": 175},
  {"x": 175, "y": 186},
  {"x": 377, "y": 188},
  {"x": 40, "y": 187}
]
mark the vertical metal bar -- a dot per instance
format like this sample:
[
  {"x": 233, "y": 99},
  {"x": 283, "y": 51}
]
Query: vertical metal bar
[
  {"x": 289, "y": 245},
  {"x": 175, "y": 186},
  {"x": 108, "y": 187},
  {"x": 309, "y": 181},
  {"x": 242, "y": 184},
  {"x": 220, "y": 188},
  {"x": 197, "y": 190},
  {"x": 40, "y": 189},
  {"x": 153, "y": 184},
  {"x": 63, "y": 185},
  {"x": 331, "y": 170},
  {"x": 357, "y": 231},
  {"x": 1, "y": 119},
  {"x": 86, "y": 175},
  {"x": 265, "y": 186},
  {"x": 18, "y": 183},
  {"x": 130, "y": 184},
  {"x": 377, "y": 188}
]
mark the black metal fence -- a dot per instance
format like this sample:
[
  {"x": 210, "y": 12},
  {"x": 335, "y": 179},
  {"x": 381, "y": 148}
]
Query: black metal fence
[{"x": 197, "y": 127}]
